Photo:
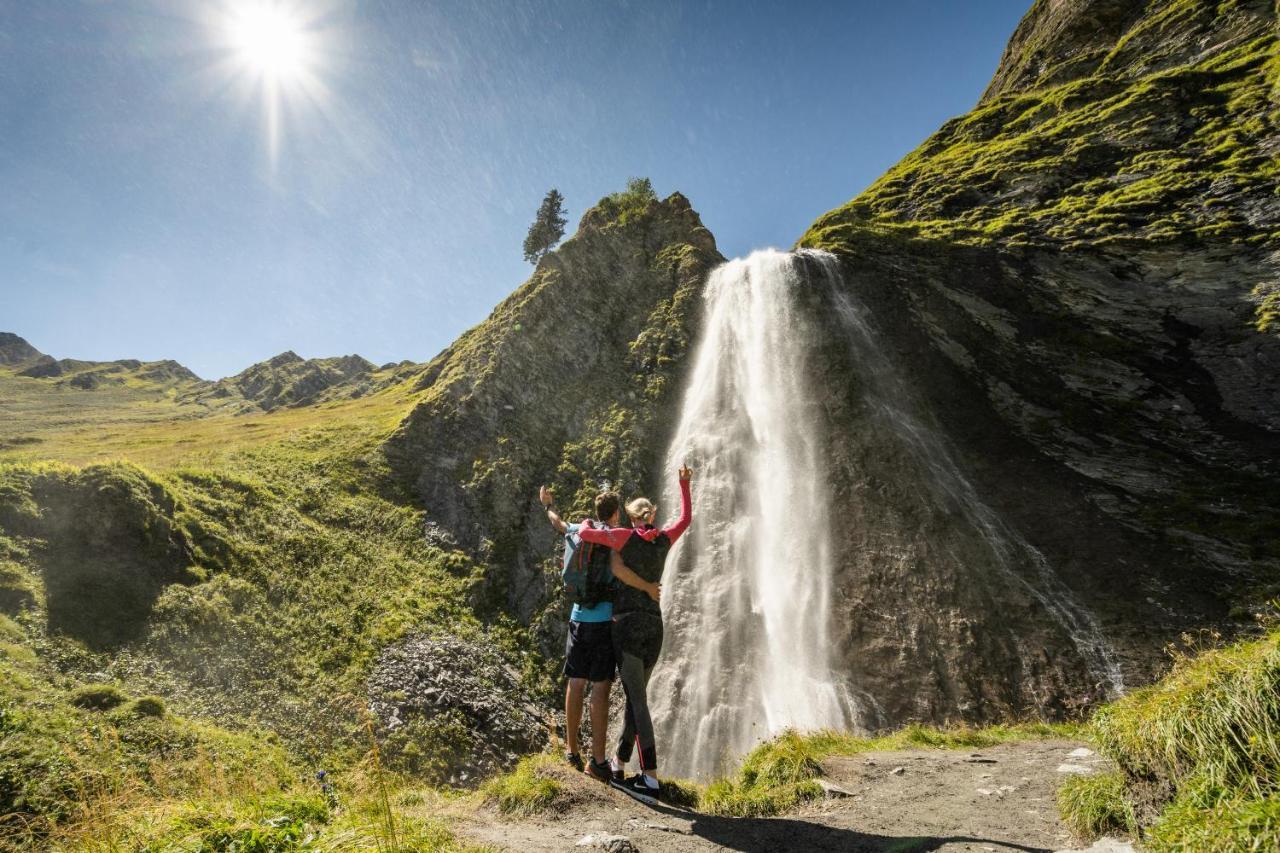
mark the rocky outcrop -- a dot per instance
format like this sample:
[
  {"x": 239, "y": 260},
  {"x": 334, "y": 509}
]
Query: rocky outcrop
[
  {"x": 454, "y": 709},
  {"x": 1076, "y": 286},
  {"x": 571, "y": 381}
]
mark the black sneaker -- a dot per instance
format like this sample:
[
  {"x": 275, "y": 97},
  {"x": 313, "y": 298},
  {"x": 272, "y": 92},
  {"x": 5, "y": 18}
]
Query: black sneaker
[
  {"x": 638, "y": 788},
  {"x": 599, "y": 770},
  {"x": 573, "y": 760}
]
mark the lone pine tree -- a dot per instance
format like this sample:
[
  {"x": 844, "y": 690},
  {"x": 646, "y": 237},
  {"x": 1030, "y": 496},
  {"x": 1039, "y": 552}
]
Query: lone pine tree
[{"x": 547, "y": 227}]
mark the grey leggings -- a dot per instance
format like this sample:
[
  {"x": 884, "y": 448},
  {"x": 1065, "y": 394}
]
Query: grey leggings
[{"x": 637, "y": 641}]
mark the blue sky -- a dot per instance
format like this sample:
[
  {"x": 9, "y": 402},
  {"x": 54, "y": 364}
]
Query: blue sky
[{"x": 143, "y": 213}]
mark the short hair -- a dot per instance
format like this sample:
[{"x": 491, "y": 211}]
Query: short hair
[
  {"x": 607, "y": 504},
  {"x": 640, "y": 507}
]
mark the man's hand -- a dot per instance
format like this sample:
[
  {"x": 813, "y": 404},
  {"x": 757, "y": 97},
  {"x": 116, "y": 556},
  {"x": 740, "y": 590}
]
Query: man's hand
[
  {"x": 655, "y": 591},
  {"x": 545, "y": 496},
  {"x": 685, "y": 473}
]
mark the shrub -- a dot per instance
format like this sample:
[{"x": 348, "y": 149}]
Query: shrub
[
  {"x": 147, "y": 706},
  {"x": 98, "y": 697}
]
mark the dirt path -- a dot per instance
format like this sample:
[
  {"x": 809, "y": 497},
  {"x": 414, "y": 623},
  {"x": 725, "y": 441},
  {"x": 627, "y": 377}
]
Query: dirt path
[{"x": 995, "y": 799}]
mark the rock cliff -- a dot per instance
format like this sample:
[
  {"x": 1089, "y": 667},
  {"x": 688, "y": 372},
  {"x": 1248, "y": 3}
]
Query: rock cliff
[
  {"x": 572, "y": 380},
  {"x": 1075, "y": 286}
]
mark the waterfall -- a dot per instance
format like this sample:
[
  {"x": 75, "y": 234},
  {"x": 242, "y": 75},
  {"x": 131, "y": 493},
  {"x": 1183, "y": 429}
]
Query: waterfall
[
  {"x": 747, "y": 591},
  {"x": 747, "y": 595}
]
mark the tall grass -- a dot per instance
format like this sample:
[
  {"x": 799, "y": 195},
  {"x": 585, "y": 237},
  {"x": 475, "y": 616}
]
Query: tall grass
[{"x": 1198, "y": 755}]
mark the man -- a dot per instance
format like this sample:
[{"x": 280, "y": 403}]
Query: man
[{"x": 589, "y": 645}]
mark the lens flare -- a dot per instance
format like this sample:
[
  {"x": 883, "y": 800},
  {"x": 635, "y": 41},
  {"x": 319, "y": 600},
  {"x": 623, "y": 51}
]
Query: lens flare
[
  {"x": 275, "y": 52},
  {"x": 270, "y": 39}
]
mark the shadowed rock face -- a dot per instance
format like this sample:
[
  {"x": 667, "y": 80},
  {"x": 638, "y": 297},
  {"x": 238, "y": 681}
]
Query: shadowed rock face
[
  {"x": 1100, "y": 363},
  {"x": 571, "y": 381}
]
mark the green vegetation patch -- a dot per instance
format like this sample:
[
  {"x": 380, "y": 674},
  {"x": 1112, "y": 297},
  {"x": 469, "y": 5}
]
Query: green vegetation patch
[
  {"x": 1169, "y": 156},
  {"x": 98, "y": 697},
  {"x": 1198, "y": 755},
  {"x": 528, "y": 789}
]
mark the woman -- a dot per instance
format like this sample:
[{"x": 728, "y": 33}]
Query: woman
[{"x": 639, "y": 554}]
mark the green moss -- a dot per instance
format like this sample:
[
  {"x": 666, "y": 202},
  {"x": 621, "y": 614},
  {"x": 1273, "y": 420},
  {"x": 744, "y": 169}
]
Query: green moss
[
  {"x": 98, "y": 697},
  {"x": 1091, "y": 160},
  {"x": 146, "y": 706}
]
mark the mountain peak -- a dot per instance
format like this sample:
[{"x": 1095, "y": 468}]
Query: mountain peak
[
  {"x": 15, "y": 350},
  {"x": 284, "y": 358}
]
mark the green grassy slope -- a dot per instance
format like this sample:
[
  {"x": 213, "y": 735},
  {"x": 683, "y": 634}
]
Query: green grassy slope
[
  {"x": 1124, "y": 148},
  {"x": 246, "y": 568},
  {"x": 1198, "y": 756}
]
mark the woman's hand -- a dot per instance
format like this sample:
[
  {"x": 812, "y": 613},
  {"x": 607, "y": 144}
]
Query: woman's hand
[
  {"x": 655, "y": 591},
  {"x": 545, "y": 496},
  {"x": 686, "y": 473}
]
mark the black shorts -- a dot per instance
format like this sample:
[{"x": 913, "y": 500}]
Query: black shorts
[{"x": 588, "y": 651}]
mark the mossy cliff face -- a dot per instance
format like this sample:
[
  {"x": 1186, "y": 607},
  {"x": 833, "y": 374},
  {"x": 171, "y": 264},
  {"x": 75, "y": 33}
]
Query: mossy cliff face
[
  {"x": 1169, "y": 135},
  {"x": 571, "y": 382},
  {"x": 1077, "y": 284}
]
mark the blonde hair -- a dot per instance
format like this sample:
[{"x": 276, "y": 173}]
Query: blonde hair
[{"x": 640, "y": 507}]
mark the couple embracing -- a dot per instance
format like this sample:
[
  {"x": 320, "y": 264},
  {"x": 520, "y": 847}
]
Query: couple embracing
[{"x": 613, "y": 570}]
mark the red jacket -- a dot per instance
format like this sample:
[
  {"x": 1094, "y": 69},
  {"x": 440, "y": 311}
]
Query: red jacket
[{"x": 616, "y": 537}]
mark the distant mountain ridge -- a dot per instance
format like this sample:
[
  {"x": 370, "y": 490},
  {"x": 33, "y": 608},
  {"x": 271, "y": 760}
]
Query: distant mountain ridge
[{"x": 282, "y": 381}]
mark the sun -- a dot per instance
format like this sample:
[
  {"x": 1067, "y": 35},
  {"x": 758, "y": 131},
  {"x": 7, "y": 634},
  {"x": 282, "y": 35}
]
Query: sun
[
  {"x": 276, "y": 53},
  {"x": 270, "y": 40}
]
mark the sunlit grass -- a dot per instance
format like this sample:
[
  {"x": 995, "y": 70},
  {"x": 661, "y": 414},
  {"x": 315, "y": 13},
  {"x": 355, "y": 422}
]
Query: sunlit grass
[
  {"x": 779, "y": 775},
  {"x": 149, "y": 427},
  {"x": 1198, "y": 755}
]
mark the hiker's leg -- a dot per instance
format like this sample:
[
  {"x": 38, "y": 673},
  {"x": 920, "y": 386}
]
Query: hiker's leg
[
  {"x": 631, "y": 668},
  {"x": 644, "y": 730},
  {"x": 650, "y": 648},
  {"x": 599, "y": 718},
  {"x": 573, "y": 693}
]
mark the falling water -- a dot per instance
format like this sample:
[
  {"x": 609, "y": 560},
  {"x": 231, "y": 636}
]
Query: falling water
[{"x": 747, "y": 602}]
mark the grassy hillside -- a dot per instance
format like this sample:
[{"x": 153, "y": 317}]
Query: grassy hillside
[{"x": 248, "y": 569}]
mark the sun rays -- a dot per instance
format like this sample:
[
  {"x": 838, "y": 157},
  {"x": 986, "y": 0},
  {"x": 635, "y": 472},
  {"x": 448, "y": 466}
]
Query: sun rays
[{"x": 275, "y": 52}]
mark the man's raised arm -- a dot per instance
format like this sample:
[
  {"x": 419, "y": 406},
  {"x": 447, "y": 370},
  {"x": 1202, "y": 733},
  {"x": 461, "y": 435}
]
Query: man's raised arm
[{"x": 548, "y": 502}]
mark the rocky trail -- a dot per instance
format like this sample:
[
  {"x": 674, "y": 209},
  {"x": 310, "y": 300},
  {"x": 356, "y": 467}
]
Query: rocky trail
[{"x": 995, "y": 799}]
